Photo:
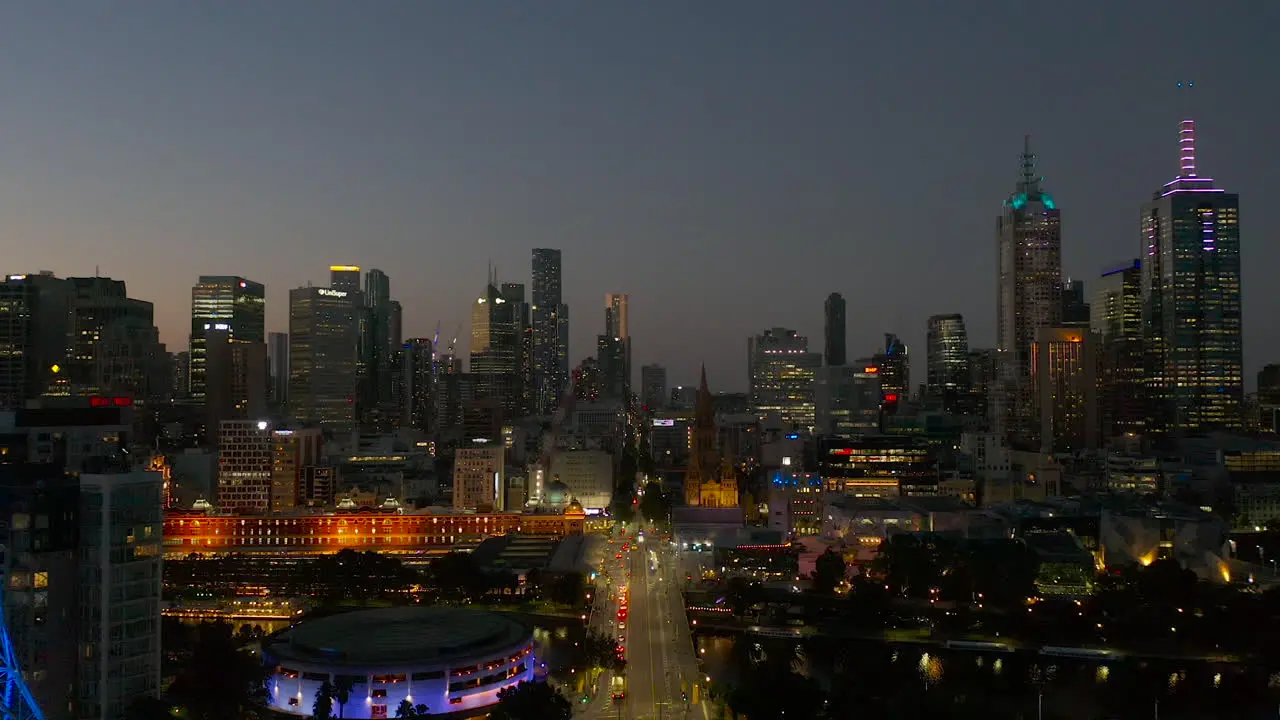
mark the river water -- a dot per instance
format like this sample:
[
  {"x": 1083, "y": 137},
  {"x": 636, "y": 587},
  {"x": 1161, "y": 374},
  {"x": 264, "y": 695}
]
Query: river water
[{"x": 1013, "y": 682}]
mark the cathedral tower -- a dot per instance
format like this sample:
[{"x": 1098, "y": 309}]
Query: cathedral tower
[{"x": 711, "y": 480}]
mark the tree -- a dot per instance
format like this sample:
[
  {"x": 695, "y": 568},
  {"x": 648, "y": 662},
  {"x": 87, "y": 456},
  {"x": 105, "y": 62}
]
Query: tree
[
  {"x": 408, "y": 711},
  {"x": 351, "y": 575},
  {"x": 148, "y": 708},
  {"x": 532, "y": 701},
  {"x": 220, "y": 681},
  {"x": 458, "y": 574},
  {"x": 342, "y": 693},
  {"x": 603, "y": 651},
  {"x": 654, "y": 505},
  {"x": 322, "y": 709},
  {"x": 828, "y": 571},
  {"x": 622, "y": 507}
]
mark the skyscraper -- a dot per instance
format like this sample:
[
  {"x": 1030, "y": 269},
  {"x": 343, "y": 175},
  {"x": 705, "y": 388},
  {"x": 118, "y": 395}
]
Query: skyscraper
[
  {"x": 33, "y": 334},
  {"x": 613, "y": 348},
  {"x": 1029, "y": 294},
  {"x": 1191, "y": 296},
  {"x": 121, "y": 522},
  {"x": 550, "y": 319},
  {"x": 521, "y": 316},
  {"x": 1269, "y": 398},
  {"x": 323, "y": 346},
  {"x": 378, "y": 347},
  {"x": 229, "y": 303},
  {"x": 781, "y": 371},
  {"x": 1115, "y": 318},
  {"x": 616, "y": 318},
  {"x": 495, "y": 348},
  {"x": 417, "y": 368},
  {"x": 1065, "y": 383},
  {"x": 278, "y": 362},
  {"x": 848, "y": 398},
  {"x": 947, "y": 350},
  {"x": 1075, "y": 310},
  {"x": 835, "y": 327},
  {"x": 653, "y": 386},
  {"x": 113, "y": 346},
  {"x": 345, "y": 278},
  {"x": 893, "y": 365}
]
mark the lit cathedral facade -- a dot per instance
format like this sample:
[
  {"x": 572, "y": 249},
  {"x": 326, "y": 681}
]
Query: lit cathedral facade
[{"x": 711, "y": 480}]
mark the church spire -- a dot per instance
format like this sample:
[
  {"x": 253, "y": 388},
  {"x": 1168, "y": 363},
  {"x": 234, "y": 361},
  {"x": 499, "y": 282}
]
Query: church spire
[{"x": 704, "y": 410}]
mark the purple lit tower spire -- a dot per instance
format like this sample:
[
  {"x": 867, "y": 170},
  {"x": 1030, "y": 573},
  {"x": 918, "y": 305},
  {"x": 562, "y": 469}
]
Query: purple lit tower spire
[
  {"x": 1191, "y": 301},
  {"x": 1187, "y": 148}
]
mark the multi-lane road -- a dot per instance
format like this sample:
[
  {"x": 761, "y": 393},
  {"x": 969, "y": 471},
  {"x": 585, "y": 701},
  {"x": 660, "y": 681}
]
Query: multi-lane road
[
  {"x": 661, "y": 668},
  {"x": 662, "y": 671}
]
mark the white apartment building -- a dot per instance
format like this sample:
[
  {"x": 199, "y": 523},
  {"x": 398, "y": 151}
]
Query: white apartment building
[
  {"x": 479, "y": 476},
  {"x": 587, "y": 473}
]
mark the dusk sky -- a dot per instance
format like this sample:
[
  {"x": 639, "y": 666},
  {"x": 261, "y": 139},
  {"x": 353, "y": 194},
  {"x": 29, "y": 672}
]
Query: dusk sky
[{"x": 727, "y": 163}]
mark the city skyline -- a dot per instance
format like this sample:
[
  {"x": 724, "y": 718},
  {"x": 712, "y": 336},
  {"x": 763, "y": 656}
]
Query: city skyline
[{"x": 771, "y": 165}]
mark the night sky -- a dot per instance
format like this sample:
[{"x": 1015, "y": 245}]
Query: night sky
[{"x": 727, "y": 163}]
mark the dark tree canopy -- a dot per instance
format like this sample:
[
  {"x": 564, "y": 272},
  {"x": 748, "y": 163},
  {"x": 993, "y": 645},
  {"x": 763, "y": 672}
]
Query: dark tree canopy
[
  {"x": 220, "y": 680},
  {"x": 532, "y": 701}
]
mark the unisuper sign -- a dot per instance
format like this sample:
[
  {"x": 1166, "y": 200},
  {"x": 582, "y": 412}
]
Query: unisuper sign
[{"x": 331, "y": 293}]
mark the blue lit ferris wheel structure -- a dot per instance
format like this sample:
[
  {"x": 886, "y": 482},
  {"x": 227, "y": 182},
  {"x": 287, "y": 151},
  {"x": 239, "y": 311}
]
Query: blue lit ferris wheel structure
[{"x": 17, "y": 702}]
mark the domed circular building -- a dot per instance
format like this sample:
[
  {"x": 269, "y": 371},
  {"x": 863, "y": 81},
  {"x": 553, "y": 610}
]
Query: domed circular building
[
  {"x": 449, "y": 659},
  {"x": 557, "y": 494}
]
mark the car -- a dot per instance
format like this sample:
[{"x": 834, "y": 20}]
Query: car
[{"x": 619, "y": 695}]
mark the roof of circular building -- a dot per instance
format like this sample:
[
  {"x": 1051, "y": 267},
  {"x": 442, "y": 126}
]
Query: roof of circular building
[{"x": 398, "y": 636}]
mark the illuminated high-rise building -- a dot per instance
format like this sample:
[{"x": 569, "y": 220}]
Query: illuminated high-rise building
[
  {"x": 947, "y": 351},
  {"x": 523, "y": 321},
  {"x": 226, "y": 303},
  {"x": 1115, "y": 318},
  {"x": 379, "y": 342},
  {"x": 1029, "y": 296},
  {"x": 1075, "y": 309},
  {"x": 33, "y": 335},
  {"x": 893, "y": 364},
  {"x": 848, "y": 398},
  {"x": 495, "y": 349},
  {"x": 613, "y": 348},
  {"x": 113, "y": 346},
  {"x": 1191, "y": 296},
  {"x": 417, "y": 383},
  {"x": 781, "y": 371},
  {"x": 323, "y": 355},
  {"x": 1065, "y": 386},
  {"x": 550, "y": 324},
  {"x": 345, "y": 278}
]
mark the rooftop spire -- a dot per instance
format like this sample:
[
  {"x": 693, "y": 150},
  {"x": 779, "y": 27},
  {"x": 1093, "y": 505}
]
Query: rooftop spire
[
  {"x": 1030, "y": 183},
  {"x": 1187, "y": 149}
]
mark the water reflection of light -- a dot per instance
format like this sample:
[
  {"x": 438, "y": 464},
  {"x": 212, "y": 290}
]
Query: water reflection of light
[
  {"x": 997, "y": 666},
  {"x": 1217, "y": 679},
  {"x": 930, "y": 667},
  {"x": 1102, "y": 673}
]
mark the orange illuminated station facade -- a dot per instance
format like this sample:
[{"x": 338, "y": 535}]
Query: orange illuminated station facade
[{"x": 386, "y": 531}]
